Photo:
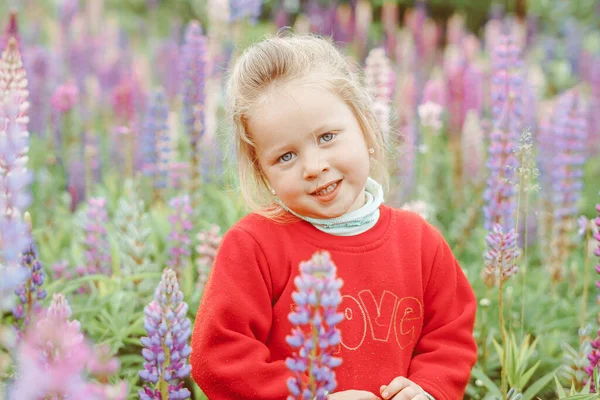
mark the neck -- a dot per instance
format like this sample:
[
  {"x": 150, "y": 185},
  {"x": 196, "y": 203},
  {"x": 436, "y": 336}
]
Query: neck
[{"x": 353, "y": 222}]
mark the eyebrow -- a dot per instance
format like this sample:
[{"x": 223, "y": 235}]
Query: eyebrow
[{"x": 276, "y": 152}]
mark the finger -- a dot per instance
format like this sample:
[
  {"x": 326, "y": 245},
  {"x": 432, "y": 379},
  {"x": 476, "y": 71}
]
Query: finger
[{"x": 395, "y": 386}]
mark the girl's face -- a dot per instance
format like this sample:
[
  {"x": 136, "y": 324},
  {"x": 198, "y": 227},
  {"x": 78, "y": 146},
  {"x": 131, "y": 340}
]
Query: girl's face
[{"x": 311, "y": 149}]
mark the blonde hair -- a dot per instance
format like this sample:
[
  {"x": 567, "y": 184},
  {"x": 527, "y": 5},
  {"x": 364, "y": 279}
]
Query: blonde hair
[{"x": 278, "y": 60}]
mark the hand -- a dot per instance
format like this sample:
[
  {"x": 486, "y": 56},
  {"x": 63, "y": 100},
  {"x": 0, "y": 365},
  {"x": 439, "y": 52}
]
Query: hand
[
  {"x": 353, "y": 395},
  {"x": 401, "y": 388}
]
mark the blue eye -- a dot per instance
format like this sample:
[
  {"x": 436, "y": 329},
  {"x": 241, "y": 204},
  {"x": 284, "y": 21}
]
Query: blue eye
[
  {"x": 327, "y": 137},
  {"x": 286, "y": 157}
]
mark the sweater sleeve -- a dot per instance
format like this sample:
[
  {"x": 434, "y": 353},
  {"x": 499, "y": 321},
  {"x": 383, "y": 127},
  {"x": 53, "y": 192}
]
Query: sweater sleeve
[
  {"x": 229, "y": 357},
  {"x": 446, "y": 351}
]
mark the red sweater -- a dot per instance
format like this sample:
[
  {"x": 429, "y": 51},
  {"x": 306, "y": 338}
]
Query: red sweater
[{"x": 409, "y": 310}]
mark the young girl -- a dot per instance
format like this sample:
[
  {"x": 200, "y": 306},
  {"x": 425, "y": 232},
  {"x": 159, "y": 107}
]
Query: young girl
[{"x": 312, "y": 163}]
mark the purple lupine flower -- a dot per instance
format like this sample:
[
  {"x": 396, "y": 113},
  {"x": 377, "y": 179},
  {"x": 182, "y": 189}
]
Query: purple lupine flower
[
  {"x": 54, "y": 358},
  {"x": 594, "y": 354},
  {"x": 569, "y": 141},
  {"x": 240, "y": 9},
  {"x": 194, "y": 73},
  {"x": 208, "y": 244},
  {"x": 501, "y": 255},
  {"x": 179, "y": 236},
  {"x": 343, "y": 28},
  {"x": 76, "y": 178},
  {"x": 314, "y": 335},
  {"x": 194, "y": 98},
  {"x": 96, "y": 246},
  {"x": 30, "y": 291},
  {"x": 14, "y": 176},
  {"x": 166, "y": 347},
  {"x": 507, "y": 114},
  {"x": 321, "y": 17},
  {"x": 153, "y": 137},
  {"x": 167, "y": 59},
  {"x": 38, "y": 65}
]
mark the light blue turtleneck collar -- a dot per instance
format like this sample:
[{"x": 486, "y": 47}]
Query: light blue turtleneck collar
[{"x": 352, "y": 223}]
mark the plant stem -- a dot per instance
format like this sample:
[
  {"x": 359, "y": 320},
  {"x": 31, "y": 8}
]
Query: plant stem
[
  {"x": 586, "y": 265},
  {"x": 525, "y": 262},
  {"x": 503, "y": 333}
]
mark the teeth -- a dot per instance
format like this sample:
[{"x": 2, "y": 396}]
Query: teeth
[{"x": 328, "y": 189}]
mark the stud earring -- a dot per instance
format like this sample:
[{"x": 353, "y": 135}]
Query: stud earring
[
  {"x": 273, "y": 192},
  {"x": 371, "y": 151}
]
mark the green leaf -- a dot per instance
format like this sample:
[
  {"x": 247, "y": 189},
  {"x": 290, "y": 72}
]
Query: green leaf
[
  {"x": 537, "y": 386},
  {"x": 487, "y": 382},
  {"x": 559, "y": 388}
]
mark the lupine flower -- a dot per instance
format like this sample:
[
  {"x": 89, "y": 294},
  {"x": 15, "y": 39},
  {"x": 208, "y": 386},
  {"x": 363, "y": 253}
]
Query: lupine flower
[
  {"x": 38, "y": 65},
  {"x": 194, "y": 70},
  {"x": 167, "y": 59},
  {"x": 179, "y": 237},
  {"x": 208, "y": 244},
  {"x": 435, "y": 91},
  {"x": 420, "y": 207},
  {"x": 11, "y": 30},
  {"x": 76, "y": 177},
  {"x": 14, "y": 176},
  {"x": 314, "y": 335},
  {"x": 95, "y": 238},
  {"x": 133, "y": 231},
  {"x": 501, "y": 255},
  {"x": 343, "y": 28},
  {"x": 52, "y": 360},
  {"x": 166, "y": 347},
  {"x": 240, "y": 9},
  {"x": 178, "y": 174},
  {"x": 65, "y": 97},
  {"x": 430, "y": 114},
  {"x": 389, "y": 21},
  {"x": 569, "y": 138},
  {"x": 454, "y": 72},
  {"x": 594, "y": 354},
  {"x": 194, "y": 98},
  {"x": 500, "y": 194},
  {"x": 473, "y": 88},
  {"x": 472, "y": 148},
  {"x": 155, "y": 139},
  {"x": 30, "y": 291},
  {"x": 380, "y": 81}
]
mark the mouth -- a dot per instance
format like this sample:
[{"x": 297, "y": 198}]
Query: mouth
[{"x": 328, "y": 191}]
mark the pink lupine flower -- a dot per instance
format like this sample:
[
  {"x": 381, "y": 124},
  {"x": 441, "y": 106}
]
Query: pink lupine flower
[
  {"x": 52, "y": 359},
  {"x": 435, "y": 91},
  {"x": 65, "y": 97},
  {"x": 314, "y": 335},
  {"x": 11, "y": 30},
  {"x": 594, "y": 354},
  {"x": 208, "y": 244},
  {"x": 501, "y": 255},
  {"x": 179, "y": 237}
]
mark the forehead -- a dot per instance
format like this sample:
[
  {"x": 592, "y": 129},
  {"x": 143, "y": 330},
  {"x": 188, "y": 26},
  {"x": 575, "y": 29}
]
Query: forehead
[{"x": 293, "y": 110}]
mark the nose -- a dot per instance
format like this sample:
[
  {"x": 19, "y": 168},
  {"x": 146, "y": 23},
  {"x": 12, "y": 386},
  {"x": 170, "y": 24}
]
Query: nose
[{"x": 314, "y": 164}]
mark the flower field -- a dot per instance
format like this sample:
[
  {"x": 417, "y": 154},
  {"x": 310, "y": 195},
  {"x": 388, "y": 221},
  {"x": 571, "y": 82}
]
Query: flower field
[{"x": 118, "y": 179}]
